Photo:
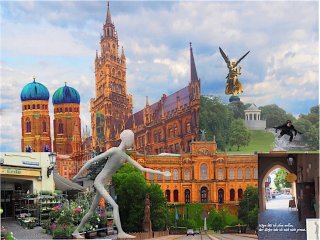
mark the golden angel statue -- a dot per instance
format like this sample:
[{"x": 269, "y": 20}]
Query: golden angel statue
[{"x": 233, "y": 85}]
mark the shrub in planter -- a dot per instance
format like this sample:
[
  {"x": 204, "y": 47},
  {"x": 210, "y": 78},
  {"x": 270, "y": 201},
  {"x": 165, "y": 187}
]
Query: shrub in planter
[{"x": 63, "y": 231}]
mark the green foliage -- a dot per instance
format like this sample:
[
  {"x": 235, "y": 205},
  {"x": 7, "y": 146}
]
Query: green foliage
[
  {"x": 239, "y": 134},
  {"x": 302, "y": 125},
  {"x": 248, "y": 206},
  {"x": 237, "y": 109},
  {"x": 63, "y": 231},
  {"x": 312, "y": 137},
  {"x": 227, "y": 218},
  {"x": 131, "y": 189},
  {"x": 280, "y": 179},
  {"x": 274, "y": 115},
  {"x": 159, "y": 212},
  {"x": 214, "y": 220},
  {"x": 215, "y": 118}
]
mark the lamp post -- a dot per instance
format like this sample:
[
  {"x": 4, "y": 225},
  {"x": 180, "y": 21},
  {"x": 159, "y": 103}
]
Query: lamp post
[
  {"x": 52, "y": 158},
  {"x": 290, "y": 160}
]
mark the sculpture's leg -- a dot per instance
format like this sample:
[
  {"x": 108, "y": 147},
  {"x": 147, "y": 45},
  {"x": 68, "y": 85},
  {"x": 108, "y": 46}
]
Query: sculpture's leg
[
  {"x": 116, "y": 217},
  {"x": 86, "y": 217}
]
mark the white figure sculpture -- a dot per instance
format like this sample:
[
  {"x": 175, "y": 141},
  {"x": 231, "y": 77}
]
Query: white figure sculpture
[{"x": 116, "y": 157}]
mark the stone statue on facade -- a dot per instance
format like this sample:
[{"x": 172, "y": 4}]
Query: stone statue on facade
[
  {"x": 146, "y": 217},
  {"x": 203, "y": 135},
  {"x": 116, "y": 157},
  {"x": 233, "y": 85}
]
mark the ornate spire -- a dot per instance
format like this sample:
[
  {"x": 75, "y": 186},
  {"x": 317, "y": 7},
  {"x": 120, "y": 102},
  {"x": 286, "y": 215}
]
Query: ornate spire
[
  {"x": 147, "y": 101},
  {"x": 108, "y": 20},
  {"x": 194, "y": 75},
  {"x": 122, "y": 53}
]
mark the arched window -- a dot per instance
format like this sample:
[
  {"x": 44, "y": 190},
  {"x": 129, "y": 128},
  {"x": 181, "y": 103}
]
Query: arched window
[
  {"x": 188, "y": 128},
  {"x": 203, "y": 171},
  {"x": 175, "y": 174},
  {"x": 232, "y": 194},
  {"x": 204, "y": 194},
  {"x": 240, "y": 193},
  {"x": 175, "y": 130},
  {"x": 220, "y": 174},
  {"x": 187, "y": 175},
  {"x": 168, "y": 177},
  {"x": 255, "y": 173},
  {"x": 239, "y": 173},
  {"x": 44, "y": 126},
  {"x": 220, "y": 195},
  {"x": 187, "y": 196},
  {"x": 175, "y": 196},
  {"x": 231, "y": 173},
  {"x": 151, "y": 176},
  {"x": 28, "y": 125},
  {"x": 60, "y": 127},
  {"x": 247, "y": 173},
  {"x": 168, "y": 195}
]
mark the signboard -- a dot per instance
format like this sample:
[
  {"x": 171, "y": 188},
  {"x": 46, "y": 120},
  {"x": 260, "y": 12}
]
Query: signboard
[
  {"x": 19, "y": 172},
  {"x": 291, "y": 177}
]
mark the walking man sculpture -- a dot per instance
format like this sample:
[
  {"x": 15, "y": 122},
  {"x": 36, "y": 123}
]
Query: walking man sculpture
[{"x": 116, "y": 157}]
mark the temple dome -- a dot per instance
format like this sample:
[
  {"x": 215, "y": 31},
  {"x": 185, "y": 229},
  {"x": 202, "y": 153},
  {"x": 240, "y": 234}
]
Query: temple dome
[
  {"x": 34, "y": 91},
  {"x": 66, "y": 94}
]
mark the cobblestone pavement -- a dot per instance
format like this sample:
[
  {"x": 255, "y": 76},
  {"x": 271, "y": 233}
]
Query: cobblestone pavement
[
  {"x": 21, "y": 233},
  {"x": 280, "y": 222}
]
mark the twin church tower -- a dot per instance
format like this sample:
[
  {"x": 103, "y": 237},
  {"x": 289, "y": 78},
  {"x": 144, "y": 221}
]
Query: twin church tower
[
  {"x": 35, "y": 119},
  {"x": 168, "y": 125}
]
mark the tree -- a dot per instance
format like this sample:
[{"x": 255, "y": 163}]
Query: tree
[
  {"x": 215, "y": 220},
  {"x": 215, "y": 118},
  {"x": 274, "y": 115},
  {"x": 237, "y": 109},
  {"x": 280, "y": 179},
  {"x": 312, "y": 137},
  {"x": 302, "y": 125},
  {"x": 239, "y": 134},
  {"x": 131, "y": 188},
  {"x": 248, "y": 207},
  {"x": 159, "y": 212}
]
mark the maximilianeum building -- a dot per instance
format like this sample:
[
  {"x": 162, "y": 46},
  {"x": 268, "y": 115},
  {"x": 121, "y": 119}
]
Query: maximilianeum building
[
  {"x": 168, "y": 125},
  {"x": 203, "y": 175}
]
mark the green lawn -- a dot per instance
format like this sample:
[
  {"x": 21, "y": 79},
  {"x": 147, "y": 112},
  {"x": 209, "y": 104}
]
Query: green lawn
[{"x": 260, "y": 141}]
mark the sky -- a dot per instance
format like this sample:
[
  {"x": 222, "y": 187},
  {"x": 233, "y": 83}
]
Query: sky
[{"x": 56, "y": 41}]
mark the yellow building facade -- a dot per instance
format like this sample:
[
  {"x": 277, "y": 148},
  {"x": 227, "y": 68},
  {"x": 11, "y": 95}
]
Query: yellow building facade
[{"x": 204, "y": 175}]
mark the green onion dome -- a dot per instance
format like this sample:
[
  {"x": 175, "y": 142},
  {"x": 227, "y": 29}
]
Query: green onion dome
[
  {"x": 66, "y": 94},
  {"x": 34, "y": 91}
]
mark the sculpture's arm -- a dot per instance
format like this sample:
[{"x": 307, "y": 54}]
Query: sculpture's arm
[
  {"x": 93, "y": 160},
  {"x": 143, "y": 169}
]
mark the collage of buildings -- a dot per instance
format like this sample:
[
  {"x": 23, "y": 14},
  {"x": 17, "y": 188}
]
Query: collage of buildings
[{"x": 167, "y": 138}]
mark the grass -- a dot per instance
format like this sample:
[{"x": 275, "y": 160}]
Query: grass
[{"x": 260, "y": 141}]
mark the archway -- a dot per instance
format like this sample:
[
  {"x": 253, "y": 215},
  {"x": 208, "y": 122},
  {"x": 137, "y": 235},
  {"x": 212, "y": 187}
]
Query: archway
[
  {"x": 268, "y": 163},
  {"x": 263, "y": 195}
]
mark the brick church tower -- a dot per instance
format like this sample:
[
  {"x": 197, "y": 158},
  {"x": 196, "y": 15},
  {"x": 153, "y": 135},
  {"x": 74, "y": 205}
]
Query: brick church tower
[
  {"x": 112, "y": 105},
  {"x": 67, "y": 123},
  {"x": 35, "y": 120}
]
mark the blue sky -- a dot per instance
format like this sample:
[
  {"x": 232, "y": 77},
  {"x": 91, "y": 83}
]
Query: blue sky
[{"x": 56, "y": 41}]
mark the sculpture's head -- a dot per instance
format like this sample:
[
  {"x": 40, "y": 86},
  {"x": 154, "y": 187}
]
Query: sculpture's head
[
  {"x": 127, "y": 137},
  {"x": 233, "y": 62}
]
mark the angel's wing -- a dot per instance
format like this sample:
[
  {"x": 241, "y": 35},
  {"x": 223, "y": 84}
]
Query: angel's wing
[
  {"x": 242, "y": 58},
  {"x": 225, "y": 57}
]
